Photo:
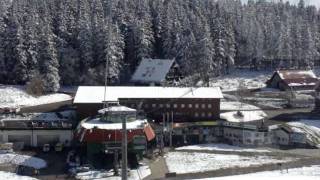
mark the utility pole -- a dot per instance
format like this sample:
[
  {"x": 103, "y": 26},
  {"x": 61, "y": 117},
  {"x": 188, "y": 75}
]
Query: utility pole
[{"x": 124, "y": 149}]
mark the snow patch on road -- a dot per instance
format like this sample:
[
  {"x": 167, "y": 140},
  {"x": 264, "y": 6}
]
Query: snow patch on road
[
  {"x": 219, "y": 147},
  {"x": 17, "y": 159},
  {"x": 305, "y": 173},
  {"x": 187, "y": 162},
  {"x": 13, "y": 176},
  {"x": 15, "y": 97}
]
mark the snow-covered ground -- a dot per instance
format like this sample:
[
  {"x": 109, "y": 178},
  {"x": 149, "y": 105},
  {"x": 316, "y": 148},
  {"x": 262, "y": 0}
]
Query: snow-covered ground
[
  {"x": 13, "y": 176},
  {"x": 303, "y": 173},
  {"x": 136, "y": 174},
  {"x": 187, "y": 162},
  {"x": 235, "y": 106},
  {"x": 249, "y": 79},
  {"x": 310, "y": 127},
  {"x": 16, "y": 96},
  {"x": 246, "y": 116},
  {"x": 219, "y": 147},
  {"x": 17, "y": 159}
]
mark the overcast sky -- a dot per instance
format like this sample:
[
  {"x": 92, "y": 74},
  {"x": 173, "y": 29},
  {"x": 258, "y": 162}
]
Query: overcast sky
[{"x": 311, "y": 2}]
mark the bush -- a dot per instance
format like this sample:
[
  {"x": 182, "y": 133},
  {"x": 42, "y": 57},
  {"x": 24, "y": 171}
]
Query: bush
[{"x": 35, "y": 86}]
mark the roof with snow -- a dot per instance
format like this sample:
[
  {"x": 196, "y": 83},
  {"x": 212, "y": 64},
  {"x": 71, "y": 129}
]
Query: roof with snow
[
  {"x": 152, "y": 70},
  {"x": 95, "y": 94},
  {"x": 297, "y": 77}
]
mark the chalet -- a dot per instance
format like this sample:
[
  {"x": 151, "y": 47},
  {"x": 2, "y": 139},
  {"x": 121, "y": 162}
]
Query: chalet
[
  {"x": 185, "y": 104},
  {"x": 288, "y": 136},
  {"x": 37, "y": 129},
  {"x": 244, "y": 134},
  {"x": 156, "y": 72},
  {"x": 293, "y": 80}
]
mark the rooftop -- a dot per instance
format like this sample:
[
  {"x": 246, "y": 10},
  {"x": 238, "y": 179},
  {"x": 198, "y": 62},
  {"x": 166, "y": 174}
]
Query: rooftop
[
  {"x": 152, "y": 70},
  {"x": 95, "y": 94}
]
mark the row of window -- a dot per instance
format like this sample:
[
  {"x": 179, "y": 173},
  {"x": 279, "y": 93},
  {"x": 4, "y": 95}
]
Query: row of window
[
  {"x": 196, "y": 106},
  {"x": 203, "y": 114}
]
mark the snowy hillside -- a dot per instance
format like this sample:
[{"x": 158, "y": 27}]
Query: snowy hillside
[
  {"x": 187, "y": 162},
  {"x": 303, "y": 173},
  {"x": 15, "y": 97},
  {"x": 248, "y": 79},
  {"x": 219, "y": 147}
]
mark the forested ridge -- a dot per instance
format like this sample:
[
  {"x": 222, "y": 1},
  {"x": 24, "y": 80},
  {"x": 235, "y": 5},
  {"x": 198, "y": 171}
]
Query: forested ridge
[{"x": 68, "y": 42}]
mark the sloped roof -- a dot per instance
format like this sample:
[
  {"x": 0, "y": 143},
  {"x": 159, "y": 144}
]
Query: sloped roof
[
  {"x": 95, "y": 94},
  {"x": 298, "y": 77},
  {"x": 152, "y": 70}
]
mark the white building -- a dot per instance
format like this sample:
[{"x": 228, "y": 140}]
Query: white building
[{"x": 37, "y": 129}]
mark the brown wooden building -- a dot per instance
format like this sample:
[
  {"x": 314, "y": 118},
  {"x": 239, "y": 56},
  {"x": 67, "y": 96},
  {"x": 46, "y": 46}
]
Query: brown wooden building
[
  {"x": 293, "y": 80},
  {"x": 183, "y": 104}
]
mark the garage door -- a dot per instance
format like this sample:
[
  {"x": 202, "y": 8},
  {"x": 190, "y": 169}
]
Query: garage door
[
  {"x": 47, "y": 139},
  {"x": 26, "y": 139}
]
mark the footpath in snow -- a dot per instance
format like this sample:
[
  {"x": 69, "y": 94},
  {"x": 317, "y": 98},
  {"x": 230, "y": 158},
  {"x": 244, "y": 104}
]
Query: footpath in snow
[
  {"x": 194, "y": 162},
  {"x": 219, "y": 147},
  {"x": 303, "y": 173},
  {"x": 17, "y": 159},
  {"x": 134, "y": 174},
  {"x": 15, "y": 97}
]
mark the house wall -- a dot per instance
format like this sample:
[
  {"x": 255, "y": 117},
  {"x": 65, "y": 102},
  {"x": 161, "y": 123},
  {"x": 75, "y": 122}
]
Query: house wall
[
  {"x": 32, "y": 136},
  {"x": 247, "y": 137},
  {"x": 280, "y": 137},
  {"x": 184, "y": 110},
  {"x": 275, "y": 81}
]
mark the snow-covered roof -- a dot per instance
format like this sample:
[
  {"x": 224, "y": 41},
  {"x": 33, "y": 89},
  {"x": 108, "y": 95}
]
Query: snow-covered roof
[
  {"x": 97, "y": 123},
  {"x": 246, "y": 116},
  {"x": 297, "y": 77},
  {"x": 95, "y": 94},
  {"x": 152, "y": 70},
  {"x": 116, "y": 109}
]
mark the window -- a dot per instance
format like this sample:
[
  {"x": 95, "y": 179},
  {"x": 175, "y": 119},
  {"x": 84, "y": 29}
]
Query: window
[
  {"x": 183, "y": 105},
  {"x": 161, "y": 105},
  {"x": 196, "y": 114},
  {"x": 146, "y": 105},
  {"x": 175, "y": 105},
  {"x": 196, "y": 106},
  {"x": 203, "y": 106},
  {"x": 190, "y": 105},
  {"x": 168, "y": 105},
  {"x": 154, "y": 105},
  {"x": 203, "y": 114},
  {"x": 209, "y": 114},
  {"x": 209, "y": 105}
]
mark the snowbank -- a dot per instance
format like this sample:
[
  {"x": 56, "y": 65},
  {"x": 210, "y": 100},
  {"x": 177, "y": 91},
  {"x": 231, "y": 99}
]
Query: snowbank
[
  {"x": 24, "y": 160},
  {"x": 135, "y": 174},
  {"x": 15, "y": 97},
  {"x": 234, "y": 106},
  {"x": 250, "y": 80},
  {"x": 305, "y": 173},
  {"x": 246, "y": 116},
  {"x": 186, "y": 162},
  {"x": 219, "y": 147},
  {"x": 13, "y": 176}
]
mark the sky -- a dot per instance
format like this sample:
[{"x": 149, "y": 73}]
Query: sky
[{"x": 308, "y": 2}]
